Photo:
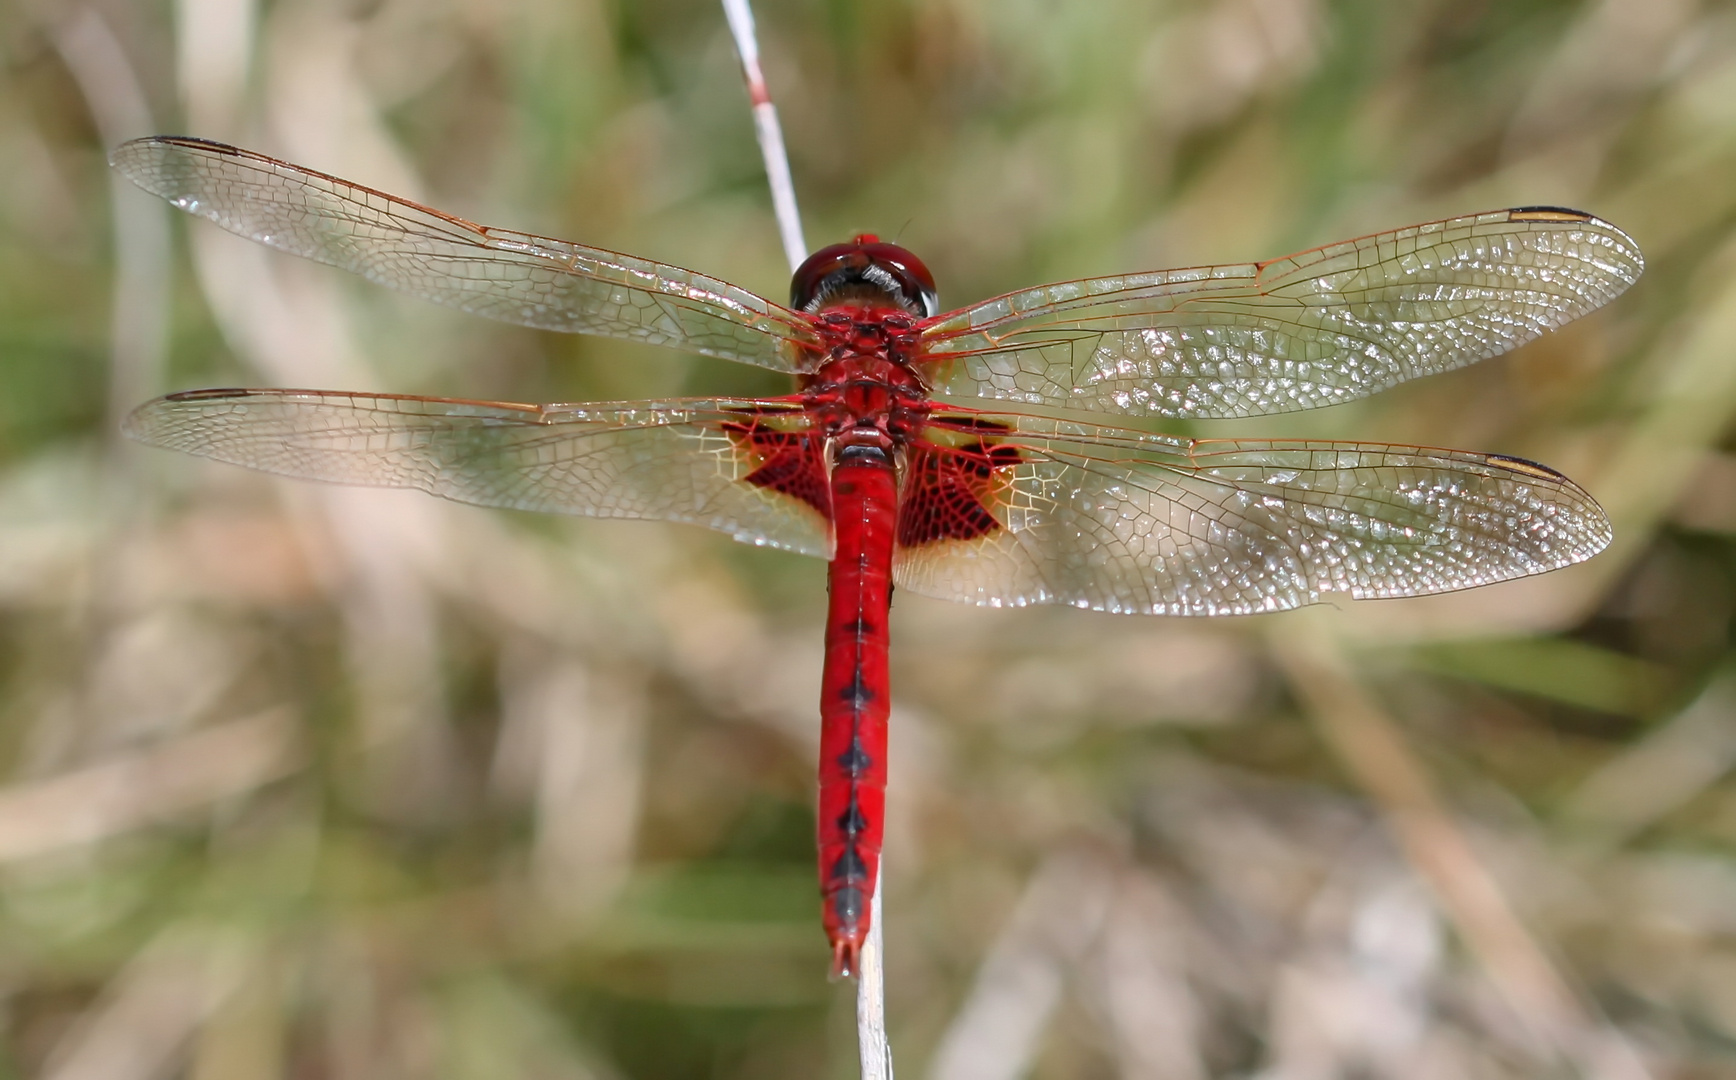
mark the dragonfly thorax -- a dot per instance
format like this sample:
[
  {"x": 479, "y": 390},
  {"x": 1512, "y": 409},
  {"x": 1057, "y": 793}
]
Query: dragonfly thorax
[{"x": 866, "y": 393}]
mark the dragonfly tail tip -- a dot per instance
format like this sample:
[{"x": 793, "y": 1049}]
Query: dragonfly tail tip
[{"x": 845, "y": 954}]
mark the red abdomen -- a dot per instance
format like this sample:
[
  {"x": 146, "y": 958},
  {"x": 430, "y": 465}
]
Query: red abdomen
[{"x": 854, "y": 696}]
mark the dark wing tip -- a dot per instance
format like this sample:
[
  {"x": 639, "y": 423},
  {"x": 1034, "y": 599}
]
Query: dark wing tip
[
  {"x": 119, "y": 157},
  {"x": 1550, "y": 213},
  {"x": 1562, "y": 215},
  {"x": 142, "y": 423},
  {"x": 209, "y": 394},
  {"x": 1598, "y": 531},
  {"x": 1526, "y": 465}
]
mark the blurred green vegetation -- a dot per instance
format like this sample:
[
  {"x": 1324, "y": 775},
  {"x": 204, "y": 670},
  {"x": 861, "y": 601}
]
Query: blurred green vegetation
[{"x": 307, "y": 783}]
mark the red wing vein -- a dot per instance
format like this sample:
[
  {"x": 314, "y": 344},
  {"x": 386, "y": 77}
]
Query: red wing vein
[
  {"x": 1316, "y": 328},
  {"x": 517, "y": 277},
  {"x": 1155, "y": 526},
  {"x": 660, "y": 460}
]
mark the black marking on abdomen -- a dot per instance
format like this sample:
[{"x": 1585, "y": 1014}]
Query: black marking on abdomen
[
  {"x": 852, "y": 821},
  {"x": 862, "y": 454},
  {"x": 857, "y": 692},
  {"x": 849, "y": 866},
  {"x": 855, "y": 760},
  {"x": 849, "y": 906}
]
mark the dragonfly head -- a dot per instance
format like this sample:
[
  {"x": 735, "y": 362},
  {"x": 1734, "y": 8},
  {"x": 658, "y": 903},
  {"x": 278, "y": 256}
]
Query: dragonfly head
[{"x": 864, "y": 272}]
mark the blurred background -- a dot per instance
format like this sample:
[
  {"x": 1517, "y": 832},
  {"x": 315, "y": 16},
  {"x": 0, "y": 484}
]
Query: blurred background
[{"x": 313, "y": 783}]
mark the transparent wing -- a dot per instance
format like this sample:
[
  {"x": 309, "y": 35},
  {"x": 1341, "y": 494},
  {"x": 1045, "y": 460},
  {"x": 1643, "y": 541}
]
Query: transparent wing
[
  {"x": 511, "y": 276},
  {"x": 703, "y": 462},
  {"x": 1009, "y": 510},
  {"x": 1317, "y": 328}
]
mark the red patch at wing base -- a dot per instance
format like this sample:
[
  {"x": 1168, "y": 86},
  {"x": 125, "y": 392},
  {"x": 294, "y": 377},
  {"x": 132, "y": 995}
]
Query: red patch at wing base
[
  {"x": 791, "y": 463},
  {"x": 954, "y": 475}
]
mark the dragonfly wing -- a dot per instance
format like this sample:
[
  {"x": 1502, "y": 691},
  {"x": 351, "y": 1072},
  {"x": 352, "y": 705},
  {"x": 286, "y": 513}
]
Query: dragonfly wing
[
  {"x": 1316, "y": 328},
  {"x": 511, "y": 276},
  {"x": 1009, "y": 510},
  {"x": 742, "y": 467}
]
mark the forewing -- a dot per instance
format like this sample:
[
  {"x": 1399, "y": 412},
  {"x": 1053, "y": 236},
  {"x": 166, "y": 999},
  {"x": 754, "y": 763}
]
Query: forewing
[
  {"x": 1009, "y": 510},
  {"x": 1316, "y": 328},
  {"x": 742, "y": 467},
  {"x": 511, "y": 276}
]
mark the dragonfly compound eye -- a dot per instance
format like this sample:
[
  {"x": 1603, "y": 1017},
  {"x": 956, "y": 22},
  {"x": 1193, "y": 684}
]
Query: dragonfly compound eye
[{"x": 864, "y": 272}]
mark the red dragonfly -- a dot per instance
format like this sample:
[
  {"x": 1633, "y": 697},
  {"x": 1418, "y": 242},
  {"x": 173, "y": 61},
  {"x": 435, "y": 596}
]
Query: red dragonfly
[{"x": 887, "y": 459}]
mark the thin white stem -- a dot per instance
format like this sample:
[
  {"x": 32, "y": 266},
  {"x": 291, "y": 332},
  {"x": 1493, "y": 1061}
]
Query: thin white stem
[
  {"x": 870, "y": 981},
  {"x": 871, "y": 1038},
  {"x": 771, "y": 135}
]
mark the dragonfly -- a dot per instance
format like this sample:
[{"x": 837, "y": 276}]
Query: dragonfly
[{"x": 996, "y": 454}]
